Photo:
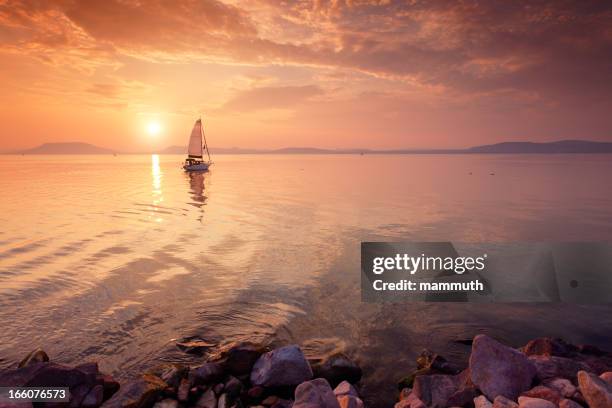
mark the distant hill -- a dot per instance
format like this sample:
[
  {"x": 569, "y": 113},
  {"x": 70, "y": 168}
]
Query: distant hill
[
  {"x": 307, "y": 150},
  {"x": 67, "y": 148},
  {"x": 563, "y": 146},
  {"x": 174, "y": 150}
]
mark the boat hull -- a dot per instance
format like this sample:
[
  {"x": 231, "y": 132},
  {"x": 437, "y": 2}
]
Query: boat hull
[{"x": 196, "y": 167}]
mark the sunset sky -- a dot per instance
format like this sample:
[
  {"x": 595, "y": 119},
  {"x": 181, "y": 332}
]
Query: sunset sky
[{"x": 268, "y": 74}]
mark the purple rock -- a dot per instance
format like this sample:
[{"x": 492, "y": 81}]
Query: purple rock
[
  {"x": 141, "y": 392},
  {"x": 568, "y": 403},
  {"x": 36, "y": 356},
  {"x": 207, "y": 373},
  {"x": 435, "y": 390},
  {"x": 499, "y": 370},
  {"x": 281, "y": 367},
  {"x": 316, "y": 393},
  {"x": 94, "y": 397},
  {"x": 556, "y": 367}
]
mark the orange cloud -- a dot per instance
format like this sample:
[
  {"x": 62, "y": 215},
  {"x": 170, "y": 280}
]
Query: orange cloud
[
  {"x": 543, "y": 61},
  {"x": 281, "y": 97}
]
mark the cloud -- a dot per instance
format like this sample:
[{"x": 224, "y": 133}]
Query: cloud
[
  {"x": 279, "y": 97},
  {"x": 554, "y": 48},
  {"x": 163, "y": 25},
  {"x": 551, "y": 54}
]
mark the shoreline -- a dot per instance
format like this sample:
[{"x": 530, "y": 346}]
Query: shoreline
[{"x": 545, "y": 373}]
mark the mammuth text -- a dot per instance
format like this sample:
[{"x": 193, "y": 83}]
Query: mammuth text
[{"x": 474, "y": 285}]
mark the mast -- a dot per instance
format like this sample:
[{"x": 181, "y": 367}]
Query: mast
[{"x": 204, "y": 138}]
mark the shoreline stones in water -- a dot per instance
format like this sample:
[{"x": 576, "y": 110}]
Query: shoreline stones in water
[{"x": 546, "y": 373}]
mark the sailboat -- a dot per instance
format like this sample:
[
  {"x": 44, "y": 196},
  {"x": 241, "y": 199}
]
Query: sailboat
[{"x": 197, "y": 146}]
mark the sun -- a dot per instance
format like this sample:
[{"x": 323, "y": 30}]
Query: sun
[{"x": 153, "y": 128}]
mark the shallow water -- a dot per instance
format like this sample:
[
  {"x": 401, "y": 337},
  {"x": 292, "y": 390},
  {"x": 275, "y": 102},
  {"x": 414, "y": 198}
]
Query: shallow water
[{"x": 112, "y": 258}]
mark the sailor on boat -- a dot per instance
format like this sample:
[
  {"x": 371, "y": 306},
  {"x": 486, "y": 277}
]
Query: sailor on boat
[{"x": 197, "y": 146}]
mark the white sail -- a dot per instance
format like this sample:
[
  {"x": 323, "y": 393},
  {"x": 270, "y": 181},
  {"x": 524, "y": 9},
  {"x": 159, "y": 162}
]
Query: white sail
[{"x": 195, "y": 141}]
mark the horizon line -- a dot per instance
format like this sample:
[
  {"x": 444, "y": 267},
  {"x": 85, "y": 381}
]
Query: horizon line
[{"x": 563, "y": 146}]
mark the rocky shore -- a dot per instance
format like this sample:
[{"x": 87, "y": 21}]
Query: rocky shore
[{"x": 545, "y": 373}]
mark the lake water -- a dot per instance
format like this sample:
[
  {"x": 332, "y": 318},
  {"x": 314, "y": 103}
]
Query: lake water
[{"x": 112, "y": 258}]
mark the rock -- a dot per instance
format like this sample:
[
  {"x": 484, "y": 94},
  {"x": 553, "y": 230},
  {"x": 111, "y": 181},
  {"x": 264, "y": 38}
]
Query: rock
[
  {"x": 596, "y": 392},
  {"x": 315, "y": 393},
  {"x": 591, "y": 350},
  {"x": 435, "y": 390},
  {"x": 90, "y": 368},
  {"x": 171, "y": 374},
  {"x": 233, "y": 386},
  {"x": 345, "y": 388},
  {"x": 337, "y": 368},
  {"x": 482, "y": 402},
  {"x": 547, "y": 346},
  {"x": 435, "y": 363},
  {"x": 283, "y": 403},
  {"x": 270, "y": 400},
  {"x": 239, "y": 358},
  {"x": 607, "y": 377},
  {"x": 284, "y": 366},
  {"x": 528, "y": 402},
  {"x": 568, "y": 403},
  {"x": 183, "y": 390},
  {"x": 597, "y": 364},
  {"x": 166, "y": 403},
  {"x": 18, "y": 377},
  {"x": 404, "y": 393},
  {"x": 503, "y": 402},
  {"x": 56, "y": 375},
  {"x": 109, "y": 384},
  {"x": 410, "y": 402},
  {"x": 544, "y": 392},
  {"x": 350, "y": 401},
  {"x": 218, "y": 388},
  {"x": 463, "y": 397},
  {"x": 499, "y": 370},
  {"x": 578, "y": 398},
  {"x": 224, "y": 401},
  {"x": 207, "y": 400},
  {"x": 36, "y": 356},
  {"x": 94, "y": 397},
  {"x": 141, "y": 392},
  {"x": 563, "y": 386},
  {"x": 255, "y": 392},
  {"x": 551, "y": 367},
  {"x": 408, "y": 381},
  {"x": 207, "y": 373},
  {"x": 194, "y": 345}
]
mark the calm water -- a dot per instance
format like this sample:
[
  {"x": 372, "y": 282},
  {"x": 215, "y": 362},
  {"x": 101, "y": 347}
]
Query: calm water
[{"x": 111, "y": 258}]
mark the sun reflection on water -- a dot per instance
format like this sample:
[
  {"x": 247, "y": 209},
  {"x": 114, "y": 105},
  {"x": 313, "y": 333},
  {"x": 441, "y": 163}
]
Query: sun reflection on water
[{"x": 156, "y": 174}]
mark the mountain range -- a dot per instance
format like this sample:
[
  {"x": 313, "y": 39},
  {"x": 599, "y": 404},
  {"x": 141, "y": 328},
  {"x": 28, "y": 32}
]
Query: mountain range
[{"x": 563, "y": 146}]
